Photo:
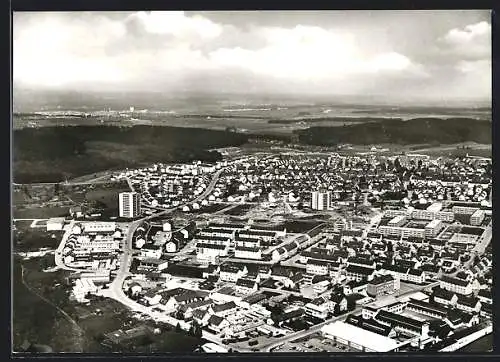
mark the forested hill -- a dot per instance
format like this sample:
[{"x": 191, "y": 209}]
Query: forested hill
[
  {"x": 413, "y": 131},
  {"x": 49, "y": 154}
]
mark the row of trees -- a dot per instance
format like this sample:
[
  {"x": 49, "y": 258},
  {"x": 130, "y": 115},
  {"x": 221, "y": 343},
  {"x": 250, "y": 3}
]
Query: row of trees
[{"x": 195, "y": 330}]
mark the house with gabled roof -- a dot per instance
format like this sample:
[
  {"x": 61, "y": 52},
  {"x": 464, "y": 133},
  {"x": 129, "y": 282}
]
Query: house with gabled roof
[
  {"x": 468, "y": 304},
  {"x": 217, "y": 324},
  {"x": 444, "y": 297}
]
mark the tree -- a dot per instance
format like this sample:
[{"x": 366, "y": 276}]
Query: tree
[
  {"x": 195, "y": 329},
  {"x": 178, "y": 328},
  {"x": 351, "y": 304},
  {"x": 390, "y": 247},
  {"x": 336, "y": 309},
  {"x": 179, "y": 314}
]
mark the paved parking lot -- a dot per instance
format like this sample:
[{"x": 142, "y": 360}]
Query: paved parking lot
[{"x": 314, "y": 344}]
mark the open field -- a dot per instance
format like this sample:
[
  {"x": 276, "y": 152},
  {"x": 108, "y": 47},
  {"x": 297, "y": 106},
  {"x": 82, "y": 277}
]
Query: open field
[
  {"x": 41, "y": 212},
  {"x": 39, "y": 300},
  {"x": 34, "y": 319},
  {"x": 300, "y": 226},
  {"x": 480, "y": 345},
  {"x": 31, "y": 239}
]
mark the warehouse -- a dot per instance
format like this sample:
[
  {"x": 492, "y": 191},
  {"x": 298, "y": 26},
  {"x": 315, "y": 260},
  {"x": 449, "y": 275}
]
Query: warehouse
[{"x": 358, "y": 338}]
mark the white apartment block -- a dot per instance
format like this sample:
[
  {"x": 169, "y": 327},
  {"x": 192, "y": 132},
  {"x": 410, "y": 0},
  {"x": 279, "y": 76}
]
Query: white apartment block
[
  {"x": 477, "y": 217},
  {"x": 129, "y": 204},
  {"x": 321, "y": 200},
  {"x": 96, "y": 227}
]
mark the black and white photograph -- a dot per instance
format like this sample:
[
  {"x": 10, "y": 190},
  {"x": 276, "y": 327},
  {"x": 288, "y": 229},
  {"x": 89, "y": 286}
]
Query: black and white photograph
[{"x": 222, "y": 182}]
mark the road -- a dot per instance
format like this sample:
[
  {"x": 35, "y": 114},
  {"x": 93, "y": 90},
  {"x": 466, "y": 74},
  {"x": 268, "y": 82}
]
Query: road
[
  {"x": 58, "y": 254},
  {"x": 483, "y": 241},
  {"x": 115, "y": 290},
  {"x": 317, "y": 328},
  {"x": 374, "y": 221},
  {"x": 202, "y": 196},
  {"x": 69, "y": 183}
]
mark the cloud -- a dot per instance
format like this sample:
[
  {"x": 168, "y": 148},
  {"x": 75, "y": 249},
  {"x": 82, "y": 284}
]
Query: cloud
[
  {"x": 176, "y": 23},
  {"x": 310, "y": 53},
  {"x": 179, "y": 50},
  {"x": 470, "y": 42},
  {"x": 468, "y": 34}
]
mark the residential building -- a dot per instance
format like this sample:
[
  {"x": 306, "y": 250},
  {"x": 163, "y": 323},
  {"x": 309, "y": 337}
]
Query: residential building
[
  {"x": 432, "y": 310},
  {"x": 317, "y": 267},
  {"x": 477, "y": 217},
  {"x": 248, "y": 252},
  {"x": 317, "y": 308},
  {"x": 358, "y": 273},
  {"x": 381, "y": 285},
  {"x": 217, "y": 324},
  {"x": 224, "y": 309},
  {"x": 99, "y": 227},
  {"x": 457, "y": 285},
  {"x": 129, "y": 204},
  {"x": 321, "y": 200},
  {"x": 444, "y": 297},
  {"x": 151, "y": 251},
  {"x": 231, "y": 273},
  {"x": 468, "y": 304},
  {"x": 433, "y": 228},
  {"x": 416, "y": 276},
  {"x": 246, "y": 286}
]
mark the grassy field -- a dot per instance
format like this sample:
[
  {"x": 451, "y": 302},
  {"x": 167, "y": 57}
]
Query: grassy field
[
  {"x": 33, "y": 319},
  {"x": 37, "y": 320},
  {"x": 41, "y": 212},
  {"x": 299, "y": 226},
  {"x": 31, "y": 239},
  {"x": 483, "y": 344},
  {"x": 239, "y": 210},
  {"x": 23, "y": 225}
]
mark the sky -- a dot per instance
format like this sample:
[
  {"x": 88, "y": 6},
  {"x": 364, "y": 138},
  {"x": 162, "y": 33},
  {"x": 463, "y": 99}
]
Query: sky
[{"x": 399, "y": 55}]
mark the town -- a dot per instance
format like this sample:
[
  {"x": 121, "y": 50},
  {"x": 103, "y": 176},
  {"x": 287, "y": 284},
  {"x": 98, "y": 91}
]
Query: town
[{"x": 296, "y": 251}]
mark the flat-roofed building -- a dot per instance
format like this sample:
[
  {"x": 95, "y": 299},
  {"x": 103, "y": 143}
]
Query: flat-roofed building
[
  {"x": 321, "y": 200},
  {"x": 129, "y": 204},
  {"x": 55, "y": 224},
  {"x": 477, "y": 217},
  {"x": 99, "y": 226},
  {"x": 433, "y": 228},
  {"x": 418, "y": 214},
  {"x": 217, "y": 232},
  {"x": 464, "y": 208},
  {"x": 358, "y": 338},
  {"x": 397, "y": 221},
  {"x": 317, "y": 308},
  {"x": 403, "y": 323}
]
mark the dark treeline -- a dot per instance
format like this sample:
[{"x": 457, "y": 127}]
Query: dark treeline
[
  {"x": 51, "y": 154},
  {"x": 414, "y": 131},
  {"x": 332, "y": 119}
]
